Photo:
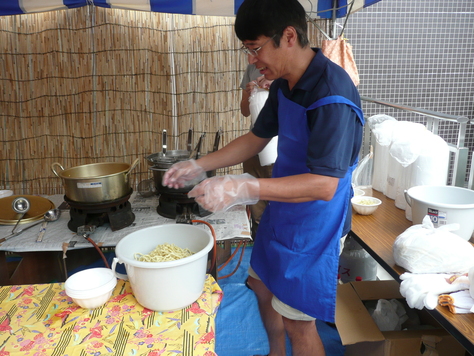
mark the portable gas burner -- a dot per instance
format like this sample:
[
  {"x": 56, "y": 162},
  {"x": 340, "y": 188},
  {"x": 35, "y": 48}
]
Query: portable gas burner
[
  {"x": 117, "y": 213},
  {"x": 175, "y": 205}
]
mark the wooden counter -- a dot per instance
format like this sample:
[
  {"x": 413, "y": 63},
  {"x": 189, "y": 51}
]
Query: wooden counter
[{"x": 377, "y": 233}]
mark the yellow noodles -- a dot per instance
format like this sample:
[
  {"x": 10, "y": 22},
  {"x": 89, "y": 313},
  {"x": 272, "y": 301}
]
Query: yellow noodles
[{"x": 164, "y": 252}]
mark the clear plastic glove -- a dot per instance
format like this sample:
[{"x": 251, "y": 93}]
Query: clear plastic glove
[
  {"x": 182, "y": 174},
  {"x": 223, "y": 192}
]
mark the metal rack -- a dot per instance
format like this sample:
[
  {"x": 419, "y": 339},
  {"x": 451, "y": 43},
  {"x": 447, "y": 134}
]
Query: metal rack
[{"x": 459, "y": 150}]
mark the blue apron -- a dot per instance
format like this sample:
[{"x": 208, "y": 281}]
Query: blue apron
[{"x": 296, "y": 253}]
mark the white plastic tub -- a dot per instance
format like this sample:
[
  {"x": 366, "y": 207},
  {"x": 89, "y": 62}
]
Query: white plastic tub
[
  {"x": 445, "y": 205},
  {"x": 171, "y": 285},
  {"x": 91, "y": 288}
]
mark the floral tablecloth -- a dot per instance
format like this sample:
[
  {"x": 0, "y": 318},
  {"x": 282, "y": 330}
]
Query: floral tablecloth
[{"x": 41, "y": 320}]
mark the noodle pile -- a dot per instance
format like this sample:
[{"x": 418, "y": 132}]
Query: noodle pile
[{"x": 163, "y": 253}]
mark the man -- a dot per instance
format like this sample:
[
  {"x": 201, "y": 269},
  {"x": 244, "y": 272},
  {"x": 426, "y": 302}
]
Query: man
[{"x": 313, "y": 107}]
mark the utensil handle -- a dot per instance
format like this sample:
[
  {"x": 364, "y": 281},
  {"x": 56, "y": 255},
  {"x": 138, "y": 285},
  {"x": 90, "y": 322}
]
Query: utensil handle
[
  {"x": 17, "y": 222},
  {"x": 216, "y": 141},
  {"x": 190, "y": 140},
  {"x": 134, "y": 164},
  {"x": 54, "y": 169},
  {"x": 29, "y": 227},
  {"x": 164, "y": 145},
  {"x": 42, "y": 232}
]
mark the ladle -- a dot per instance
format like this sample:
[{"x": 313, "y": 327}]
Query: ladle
[
  {"x": 20, "y": 206},
  {"x": 50, "y": 215}
]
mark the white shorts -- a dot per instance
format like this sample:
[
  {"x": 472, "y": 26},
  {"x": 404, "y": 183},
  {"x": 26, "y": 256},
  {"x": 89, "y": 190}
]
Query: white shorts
[{"x": 282, "y": 308}]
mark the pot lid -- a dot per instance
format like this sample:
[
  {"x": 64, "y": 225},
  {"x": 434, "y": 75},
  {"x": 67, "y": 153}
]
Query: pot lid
[{"x": 38, "y": 206}]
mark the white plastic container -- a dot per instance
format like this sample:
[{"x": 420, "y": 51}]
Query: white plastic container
[
  {"x": 445, "y": 205},
  {"x": 91, "y": 288},
  {"x": 356, "y": 262},
  {"x": 171, "y": 285}
]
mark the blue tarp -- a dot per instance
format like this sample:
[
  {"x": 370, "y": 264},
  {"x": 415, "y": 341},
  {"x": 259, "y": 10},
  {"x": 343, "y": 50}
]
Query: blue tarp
[{"x": 315, "y": 8}]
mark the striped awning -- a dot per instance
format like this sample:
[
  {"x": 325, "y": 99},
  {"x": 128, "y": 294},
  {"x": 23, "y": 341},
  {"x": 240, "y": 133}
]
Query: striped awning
[{"x": 314, "y": 8}]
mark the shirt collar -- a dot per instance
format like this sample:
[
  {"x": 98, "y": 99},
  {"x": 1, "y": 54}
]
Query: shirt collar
[{"x": 312, "y": 74}]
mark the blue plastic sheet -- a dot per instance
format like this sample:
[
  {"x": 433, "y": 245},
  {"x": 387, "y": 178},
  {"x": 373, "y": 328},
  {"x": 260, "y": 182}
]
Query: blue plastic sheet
[{"x": 239, "y": 329}]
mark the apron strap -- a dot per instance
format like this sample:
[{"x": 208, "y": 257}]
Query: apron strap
[{"x": 338, "y": 99}]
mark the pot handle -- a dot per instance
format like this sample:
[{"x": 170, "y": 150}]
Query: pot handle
[
  {"x": 153, "y": 168},
  {"x": 118, "y": 275},
  {"x": 134, "y": 164},
  {"x": 407, "y": 198},
  {"x": 54, "y": 170}
]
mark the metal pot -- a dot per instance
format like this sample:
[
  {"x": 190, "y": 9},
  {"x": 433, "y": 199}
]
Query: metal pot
[
  {"x": 97, "y": 182},
  {"x": 159, "y": 164}
]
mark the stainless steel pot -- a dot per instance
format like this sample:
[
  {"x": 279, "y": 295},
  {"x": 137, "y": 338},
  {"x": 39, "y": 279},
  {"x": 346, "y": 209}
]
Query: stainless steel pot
[
  {"x": 160, "y": 163},
  {"x": 97, "y": 182}
]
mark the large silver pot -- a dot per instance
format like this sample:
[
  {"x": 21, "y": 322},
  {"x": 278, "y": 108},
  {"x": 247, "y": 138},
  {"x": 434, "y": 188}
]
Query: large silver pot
[{"x": 97, "y": 182}]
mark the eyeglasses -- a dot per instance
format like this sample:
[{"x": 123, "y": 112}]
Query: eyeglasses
[{"x": 254, "y": 52}]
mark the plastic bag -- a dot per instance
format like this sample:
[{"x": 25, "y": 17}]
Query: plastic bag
[
  {"x": 257, "y": 100},
  {"x": 389, "y": 315},
  {"x": 362, "y": 175},
  {"x": 423, "y": 248}
]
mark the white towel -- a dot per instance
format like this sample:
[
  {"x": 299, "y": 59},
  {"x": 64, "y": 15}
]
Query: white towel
[{"x": 423, "y": 290}]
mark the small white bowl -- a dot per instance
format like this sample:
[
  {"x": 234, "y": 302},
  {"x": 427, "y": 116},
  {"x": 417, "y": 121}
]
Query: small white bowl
[
  {"x": 358, "y": 192},
  {"x": 5, "y": 193},
  {"x": 91, "y": 288},
  {"x": 365, "y": 205}
]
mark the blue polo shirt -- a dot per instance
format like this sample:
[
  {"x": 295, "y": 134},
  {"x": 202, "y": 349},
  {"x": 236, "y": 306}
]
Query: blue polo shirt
[{"x": 335, "y": 132}]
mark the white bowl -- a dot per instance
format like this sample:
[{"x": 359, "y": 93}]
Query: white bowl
[
  {"x": 91, "y": 288},
  {"x": 364, "y": 205},
  {"x": 358, "y": 192},
  {"x": 5, "y": 193}
]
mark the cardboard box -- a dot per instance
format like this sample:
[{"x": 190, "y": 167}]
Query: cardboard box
[{"x": 361, "y": 336}]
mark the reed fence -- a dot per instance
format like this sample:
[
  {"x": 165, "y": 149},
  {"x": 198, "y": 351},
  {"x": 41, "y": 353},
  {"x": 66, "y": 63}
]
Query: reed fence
[{"x": 91, "y": 84}]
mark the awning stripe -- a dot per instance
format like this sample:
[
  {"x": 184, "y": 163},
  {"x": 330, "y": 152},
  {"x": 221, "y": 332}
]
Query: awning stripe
[{"x": 315, "y": 8}]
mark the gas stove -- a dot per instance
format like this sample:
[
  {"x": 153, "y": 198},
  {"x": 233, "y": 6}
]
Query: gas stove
[{"x": 116, "y": 213}]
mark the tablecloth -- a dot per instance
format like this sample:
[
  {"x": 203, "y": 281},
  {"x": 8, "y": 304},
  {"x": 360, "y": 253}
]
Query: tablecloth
[{"x": 41, "y": 320}]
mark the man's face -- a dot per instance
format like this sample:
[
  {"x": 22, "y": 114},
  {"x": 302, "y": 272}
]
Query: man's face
[{"x": 268, "y": 59}]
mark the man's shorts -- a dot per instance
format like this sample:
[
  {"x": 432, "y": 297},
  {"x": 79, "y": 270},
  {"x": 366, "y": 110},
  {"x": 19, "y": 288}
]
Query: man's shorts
[{"x": 284, "y": 309}]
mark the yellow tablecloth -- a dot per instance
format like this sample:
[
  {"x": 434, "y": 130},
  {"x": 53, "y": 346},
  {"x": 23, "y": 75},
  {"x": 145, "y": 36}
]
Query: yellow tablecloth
[{"x": 41, "y": 320}]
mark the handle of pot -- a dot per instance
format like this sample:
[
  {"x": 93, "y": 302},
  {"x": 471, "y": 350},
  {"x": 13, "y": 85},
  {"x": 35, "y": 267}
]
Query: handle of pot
[
  {"x": 54, "y": 170},
  {"x": 407, "y": 198},
  {"x": 158, "y": 169},
  {"x": 163, "y": 143},
  {"x": 134, "y": 164},
  {"x": 118, "y": 275}
]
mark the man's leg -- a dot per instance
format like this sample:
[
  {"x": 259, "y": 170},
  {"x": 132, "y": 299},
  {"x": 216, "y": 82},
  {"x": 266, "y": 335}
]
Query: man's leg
[
  {"x": 304, "y": 337},
  {"x": 272, "y": 321}
]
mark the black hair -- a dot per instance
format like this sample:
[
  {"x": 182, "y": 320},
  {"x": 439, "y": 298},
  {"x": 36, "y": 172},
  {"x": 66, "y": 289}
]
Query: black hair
[{"x": 270, "y": 18}]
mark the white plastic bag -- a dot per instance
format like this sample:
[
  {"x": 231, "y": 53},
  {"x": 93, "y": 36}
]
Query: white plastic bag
[
  {"x": 257, "y": 100},
  {"x": 389, "y": 315},
  {"x": 362, "y": 176},
  {"x": 423, "y": 248}
]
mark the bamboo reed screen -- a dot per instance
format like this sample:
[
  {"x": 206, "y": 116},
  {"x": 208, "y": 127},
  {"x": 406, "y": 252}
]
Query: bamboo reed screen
[{"x": 92, "y": 85}]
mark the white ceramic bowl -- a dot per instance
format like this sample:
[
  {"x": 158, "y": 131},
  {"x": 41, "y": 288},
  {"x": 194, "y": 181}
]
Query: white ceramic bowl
[
  {"x": 364, "y": 205},
  {"x": 91, "y": 288},
  {"x": 358, "y": 192},
  {"x": 5, "y": 193}
]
